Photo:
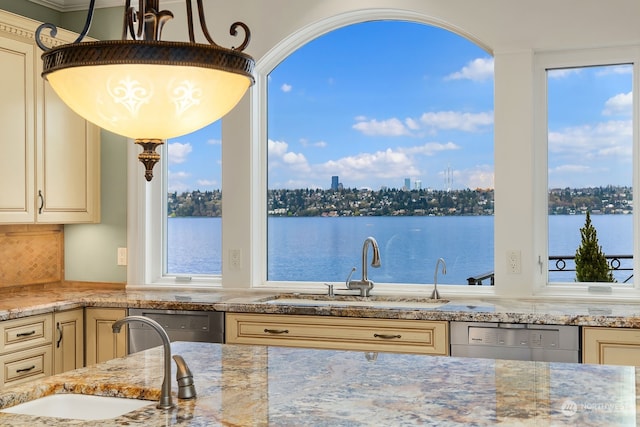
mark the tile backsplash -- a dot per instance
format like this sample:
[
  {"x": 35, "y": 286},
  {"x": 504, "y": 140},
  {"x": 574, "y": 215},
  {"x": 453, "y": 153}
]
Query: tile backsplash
[{"x": 31, "y": 254}]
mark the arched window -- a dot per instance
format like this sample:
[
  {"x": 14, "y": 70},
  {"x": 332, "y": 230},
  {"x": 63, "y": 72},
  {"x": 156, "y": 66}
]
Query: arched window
[{"x": 383, "y": 129}]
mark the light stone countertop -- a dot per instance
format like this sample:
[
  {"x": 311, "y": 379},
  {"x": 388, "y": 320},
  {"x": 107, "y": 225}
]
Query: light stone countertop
[
  {"x": 28, "y": 301},
  {"x": 259, "y": 386}
]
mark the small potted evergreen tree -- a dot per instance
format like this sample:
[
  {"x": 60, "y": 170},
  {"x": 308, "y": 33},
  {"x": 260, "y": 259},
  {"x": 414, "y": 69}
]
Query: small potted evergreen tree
[{"x": 591, "y": 264}]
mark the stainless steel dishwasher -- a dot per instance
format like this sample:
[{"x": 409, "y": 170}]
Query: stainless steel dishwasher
[
  {"x": 181, "y": 325},
  {"x": 516, "y": 341}
]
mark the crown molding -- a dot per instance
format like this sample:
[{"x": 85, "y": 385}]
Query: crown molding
[{"x": 74, "y": 5}]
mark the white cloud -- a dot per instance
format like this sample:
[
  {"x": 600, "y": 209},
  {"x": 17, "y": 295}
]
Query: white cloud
[
  {"x": 433, "y": 121},
  {"x": 388, "y": 164},
  {"x": 207, "y": 183},
  {"x": 286, "y": 88},
  {"x": 277, "y": 148},
  {"x": 453, "y": 120},
  {"x": 561, "y": 73},
  {"x": 214, "y": 141},
  {"x": 390, "y": 127},
  {"x": 430, "y": 148},
  {"x": 319, "y": 144},
  {"x": 480, "y": 176},
  {"x": 177, "y": 182},
  {"x": 178, "y": 152},
  {"x": 279, "y": 156},
  {"x": 620, "y": 104},
  {"x": 478, "y": 70},
  {"x": 615, "y": 69},
  {"x": 590, "y": 141},
  {"x": 569, "y": 168}
]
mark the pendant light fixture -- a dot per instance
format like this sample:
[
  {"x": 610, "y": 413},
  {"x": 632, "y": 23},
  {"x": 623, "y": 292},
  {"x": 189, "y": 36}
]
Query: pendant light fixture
[{"x": 144, "y": 88}]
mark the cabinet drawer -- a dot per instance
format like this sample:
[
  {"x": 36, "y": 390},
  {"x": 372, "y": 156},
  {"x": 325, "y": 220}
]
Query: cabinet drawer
[
  {"x": 26, "y": 365},
  {"x": 24, "y": 333},
  {"x": 390, "y": 335}
]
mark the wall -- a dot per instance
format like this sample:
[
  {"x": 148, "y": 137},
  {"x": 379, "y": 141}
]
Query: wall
[{"x": 91, "y": 249}]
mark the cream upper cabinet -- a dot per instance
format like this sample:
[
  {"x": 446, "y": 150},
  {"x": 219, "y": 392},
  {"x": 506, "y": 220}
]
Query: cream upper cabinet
[{"x": 50, "y": 163}]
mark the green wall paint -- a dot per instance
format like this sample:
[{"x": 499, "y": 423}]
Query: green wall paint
[{"x": 91, "y": 249}]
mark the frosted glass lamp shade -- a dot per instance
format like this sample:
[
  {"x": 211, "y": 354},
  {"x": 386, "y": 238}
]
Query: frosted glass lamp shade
[
  {"x": 148, "y": 90},
  {"x": 123, "y": 89}
]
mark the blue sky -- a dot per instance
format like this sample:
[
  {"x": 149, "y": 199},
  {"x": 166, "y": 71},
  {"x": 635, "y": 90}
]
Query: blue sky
[{"x": 378, "y": 102}]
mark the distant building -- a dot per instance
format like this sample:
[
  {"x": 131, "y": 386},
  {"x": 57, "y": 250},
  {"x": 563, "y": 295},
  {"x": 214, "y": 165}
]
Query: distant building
[
  {"x": 418, "y": 184},
  {"x": 407, "y": 184},
  {"x": 334, "y": 182}
]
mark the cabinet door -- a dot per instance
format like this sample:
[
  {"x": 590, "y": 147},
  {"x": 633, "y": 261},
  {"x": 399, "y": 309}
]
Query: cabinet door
[
  {"x": 68, "y": 347},
  {"x": 68, "y": 163},
  {"x": 611, "y": 346},
  {"x": 100, "y": 341},
  {"x": 17, "y": 138}
]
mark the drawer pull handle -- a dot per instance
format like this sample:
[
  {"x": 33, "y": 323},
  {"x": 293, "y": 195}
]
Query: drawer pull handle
[
  {"x": 25, "y": 334},
  {"x": 386, "y": 336},
  {"x": 30, "y": 368},
  {"x": 60, "y": 335},
  {"x": 276, "y": 331}
]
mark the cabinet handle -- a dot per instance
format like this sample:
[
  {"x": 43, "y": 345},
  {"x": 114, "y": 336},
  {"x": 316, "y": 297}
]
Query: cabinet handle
[
  {"x": 41, "y": 197},
  {"x": 386, "y": 336},
  {"x": 26, "y": 369},
  {"x": 276, "y": 331},
  {"x": 59, "y": 335},
  {"x": 25, "y": 334}
]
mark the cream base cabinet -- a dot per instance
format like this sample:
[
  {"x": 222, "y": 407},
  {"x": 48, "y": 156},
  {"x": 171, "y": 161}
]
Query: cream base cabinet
[
  {"x": 50, "y": 163},
  {"x": 25, "y": 349},
  {"x": 340, "y": 333},
  {"x": 68, "y": 345},
  {"x": 611, "y": 346},
  {"x": 101, "y": 344}
]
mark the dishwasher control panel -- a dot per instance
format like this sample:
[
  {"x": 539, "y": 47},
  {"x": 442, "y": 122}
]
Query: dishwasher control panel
[
  {"x": 517, "y": 341},
  {"x": 543, "y": 338}
]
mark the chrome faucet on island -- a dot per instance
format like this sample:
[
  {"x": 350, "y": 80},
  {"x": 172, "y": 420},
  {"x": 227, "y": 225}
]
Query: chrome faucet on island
[
  {"x": 365, "y": 285},
  {"x": 184, "y": 377},
  {"x": 435, "y": 294}
]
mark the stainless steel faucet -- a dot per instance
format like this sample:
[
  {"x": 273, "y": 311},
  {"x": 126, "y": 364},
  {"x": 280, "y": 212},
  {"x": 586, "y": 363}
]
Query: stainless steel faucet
[
  {"x": 435, "y": 294},
  {"x": 365, "y": 285},
  {"x": 165, "y": 401}
]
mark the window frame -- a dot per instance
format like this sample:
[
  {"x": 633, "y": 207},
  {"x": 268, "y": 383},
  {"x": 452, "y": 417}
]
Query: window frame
[
  {"x": 544, "y": 61},
  {"x": 520, "y": 112}
]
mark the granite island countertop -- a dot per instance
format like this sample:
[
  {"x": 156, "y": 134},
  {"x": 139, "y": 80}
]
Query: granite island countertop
[
  {"x": 27, "y": 301},
  {"x": 241, "y": 385}
]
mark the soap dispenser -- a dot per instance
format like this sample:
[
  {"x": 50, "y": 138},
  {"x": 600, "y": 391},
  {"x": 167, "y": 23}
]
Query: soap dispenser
[{"x": 186, "y": 388}]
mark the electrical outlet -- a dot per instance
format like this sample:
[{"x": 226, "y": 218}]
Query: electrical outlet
[
  {"x": 235, "y": 259},
  {"x": 122, "y": 256},
  {"x": 514, "y": 262}
]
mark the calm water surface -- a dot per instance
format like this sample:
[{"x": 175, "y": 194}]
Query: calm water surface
[{"x": 325, "y": 249}]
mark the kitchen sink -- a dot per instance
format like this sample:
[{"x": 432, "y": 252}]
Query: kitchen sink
[
  {"x": 78, "y": 406},
  {"x": 377, "y": 301}
]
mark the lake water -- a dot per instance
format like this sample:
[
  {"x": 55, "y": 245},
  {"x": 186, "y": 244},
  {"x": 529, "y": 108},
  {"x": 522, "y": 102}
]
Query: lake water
[{"x": 325, "y": 249}]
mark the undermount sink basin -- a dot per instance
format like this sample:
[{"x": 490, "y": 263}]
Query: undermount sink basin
[
  {"x": 351, "y": 300},
  {"x": 78, "y": 406}
]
